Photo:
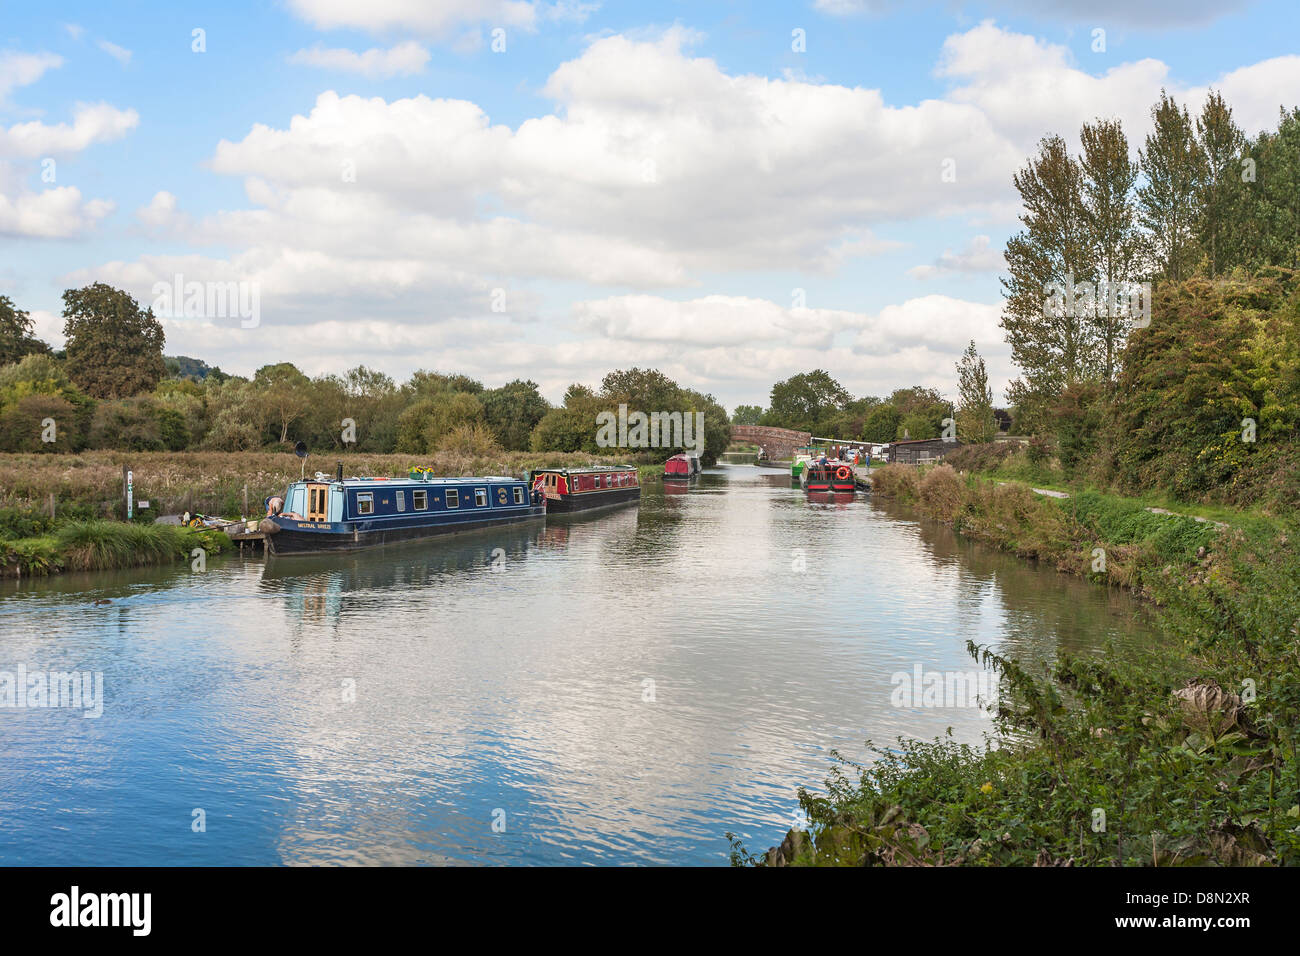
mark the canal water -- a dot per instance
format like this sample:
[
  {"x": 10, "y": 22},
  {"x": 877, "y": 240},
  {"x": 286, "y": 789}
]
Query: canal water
[{"x": 615, "y": 689}]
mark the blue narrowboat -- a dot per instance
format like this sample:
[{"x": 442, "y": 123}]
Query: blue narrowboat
[{"x": 326, "y": 515}]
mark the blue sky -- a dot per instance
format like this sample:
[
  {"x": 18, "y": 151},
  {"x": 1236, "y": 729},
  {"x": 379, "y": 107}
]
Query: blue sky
[{"x": 664, "y": 184}]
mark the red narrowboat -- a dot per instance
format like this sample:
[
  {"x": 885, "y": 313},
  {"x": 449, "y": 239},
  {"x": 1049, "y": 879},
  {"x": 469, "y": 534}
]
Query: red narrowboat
[
  {"x": 581, "y": 489},
  {"x": 681, "y": 467},
  {"x": 834, "y": 476}
]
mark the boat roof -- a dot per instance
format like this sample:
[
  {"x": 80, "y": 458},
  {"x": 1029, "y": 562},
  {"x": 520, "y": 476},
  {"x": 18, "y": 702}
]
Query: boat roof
[
  {"x": 362, "y": 480},
  {"x": 587, "y": 470}
]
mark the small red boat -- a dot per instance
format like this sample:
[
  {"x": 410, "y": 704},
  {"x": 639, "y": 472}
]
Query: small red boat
[
  {"x": 835, "y": 476},
  {"x": 681, "y": 467}
]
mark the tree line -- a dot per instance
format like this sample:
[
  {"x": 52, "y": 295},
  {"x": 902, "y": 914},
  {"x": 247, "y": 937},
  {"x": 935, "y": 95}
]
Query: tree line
[
  {"x": 1202, "y": 200},
  {"x": 112, "y": 387}
]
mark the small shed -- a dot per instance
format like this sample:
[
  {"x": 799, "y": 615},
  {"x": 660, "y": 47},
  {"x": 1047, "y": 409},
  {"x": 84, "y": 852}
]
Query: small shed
[{"x": 921, "y": 450}]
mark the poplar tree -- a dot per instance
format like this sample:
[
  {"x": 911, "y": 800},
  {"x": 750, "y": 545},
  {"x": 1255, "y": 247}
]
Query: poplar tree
[
  {"x": 1275, "y": 211},
  {"x": 975, "y": 421},
  {"x": 1051, "y": 347},
  {"x": 1222, "y": 203},
  {"x": 1168, "y": 202},
  {"x": 1114, "y": 241}
]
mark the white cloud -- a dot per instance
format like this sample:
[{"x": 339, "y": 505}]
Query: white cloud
[
  {"x": 91, "y": 123},
  {"x": 404, "y": 59},
  {"x": 121, "y": 54},
  {"x": 23, "y": 69},
  {"x": 51, "y": 214},
  {"x": 978, "y": 256},
  {"x": 1029, "y": 88},
  {"x": 48, "y": 327}
]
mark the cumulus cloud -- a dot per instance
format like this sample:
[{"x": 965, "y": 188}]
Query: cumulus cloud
[
  {"x": 51, "y": 214},
  {"x": 1029, "y": 88},
  {"x": 404, "y": 59}
]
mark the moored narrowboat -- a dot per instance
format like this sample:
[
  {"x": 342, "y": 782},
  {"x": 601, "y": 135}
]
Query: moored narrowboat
[
  {"x": 325, "y": 515},
  {"x": 566, "y": 490},
  {"x": 682, "y": 467},
  {"x": 830, "y": 475}
]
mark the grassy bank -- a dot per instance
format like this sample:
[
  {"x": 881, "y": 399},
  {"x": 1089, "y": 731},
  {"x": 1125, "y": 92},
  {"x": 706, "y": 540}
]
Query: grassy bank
[
  {"x": 90, "y": 484},
  {"x": 1185, "y": 757},
  {"x": 99, "y": 545}
]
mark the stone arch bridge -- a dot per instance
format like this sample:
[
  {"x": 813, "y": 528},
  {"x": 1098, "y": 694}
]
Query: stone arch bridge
[{"x": 779, "y": 443}]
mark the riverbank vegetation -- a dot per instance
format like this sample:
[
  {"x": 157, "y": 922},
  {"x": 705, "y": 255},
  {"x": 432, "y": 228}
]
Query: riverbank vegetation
[
  {"x": 50, "y": 545},
  {"x": 1186, "y": 756},
  {"x": 88, "y": 484}
]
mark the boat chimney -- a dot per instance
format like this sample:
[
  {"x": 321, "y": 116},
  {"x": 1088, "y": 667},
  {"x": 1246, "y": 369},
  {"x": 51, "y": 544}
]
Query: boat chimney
[{"x": 339, "y": 473}]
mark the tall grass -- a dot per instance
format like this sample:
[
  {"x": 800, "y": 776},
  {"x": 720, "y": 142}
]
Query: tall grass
[
  {"x": 214, "y": 482},
  {"x": 99, "y": 545}
]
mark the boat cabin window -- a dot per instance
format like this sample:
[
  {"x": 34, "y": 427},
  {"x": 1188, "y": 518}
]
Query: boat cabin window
[
  {"x": 519, "y": 496},
  {"x": 453, "y": 498},
  {"x": 365, "y": 503},
  {"x": 419, "y": 499},
  {"x": 480, "y": 497},
  {"x": 401, "y": 501}
]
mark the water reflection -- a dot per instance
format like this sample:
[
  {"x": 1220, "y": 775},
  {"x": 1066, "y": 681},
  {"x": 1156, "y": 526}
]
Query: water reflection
[{"x": 619, "y": 687}]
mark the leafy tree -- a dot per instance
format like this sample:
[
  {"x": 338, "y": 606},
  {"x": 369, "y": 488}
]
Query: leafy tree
[
  {"x": 1222, "y": 200},
  {"x": 747, "y": 415},
  {"x": 426, "y": 384},
  {"x": 1168, "y": 202},
  {"x": 449, "y": 412},
  {"x": 806, "y": 401},
  {"x": 1109, "y": 214},
  {"x": 285, "y": 395},
  {"x": 184, "y": 367},
  {"x": 131, "y": 424},
  {"x": 16, "y": 339},
  {"x": 881, "y": 424},
  {"x": 562, "y": 429},
  {"x": 975, "y": 421},
  {"x": 410, "y": 427},
  {"x": 1183, "y": 393},
  {"x": 114, "y": 347},
  {"x": 513, "y": 411},
  {"x": 1050, "y": 343},
  {"x": 644, "y": 390},
  {"x": 23, "y": 424},
  {"x": 1274, "y": 217}
]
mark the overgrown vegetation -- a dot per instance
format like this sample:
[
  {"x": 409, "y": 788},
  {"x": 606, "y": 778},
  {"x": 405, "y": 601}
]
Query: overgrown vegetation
[
  {"x": 98, "y": 545},
  {"x": 1186, "y": 757}
]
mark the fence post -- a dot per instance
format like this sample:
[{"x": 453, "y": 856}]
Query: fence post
[{"x": 51, "y": 506}]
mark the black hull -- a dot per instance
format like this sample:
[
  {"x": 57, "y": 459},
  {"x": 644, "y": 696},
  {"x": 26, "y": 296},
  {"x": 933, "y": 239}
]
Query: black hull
[
  {"x": 591, "y": 500},
  {"x": 289, "y": 542}
]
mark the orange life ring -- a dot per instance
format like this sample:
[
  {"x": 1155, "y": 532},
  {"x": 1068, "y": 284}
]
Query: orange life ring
[{"x": 842, "y": 472}]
